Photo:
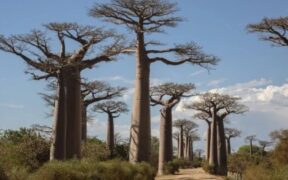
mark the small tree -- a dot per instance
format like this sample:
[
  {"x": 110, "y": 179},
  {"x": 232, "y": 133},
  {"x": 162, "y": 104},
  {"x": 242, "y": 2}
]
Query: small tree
[
  {"x": 190, "y": 134},
  {"x": 263, "y": 145},
  {"x": 179, "y": 123},
  {"x": 217, "y": 107},
  {"x": 272, "y": 30},
  {"x": 113, "y": 109},
  {"x": 229, "y": 134},
  {"x": 193, "y": 136},
  {"x": 145, "y": 17},
  {"x": 167, "y": 95},
  {"x": 207, "y": 119},
  {"x": 93, "y": 92},
  {"x": 250, "y": 139}
]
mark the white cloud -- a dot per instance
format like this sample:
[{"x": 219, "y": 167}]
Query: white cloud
[
  {"x": 117, "y": 78},
  {"x": 215, "y": 82},
  {"x": 11, "y": 106}
]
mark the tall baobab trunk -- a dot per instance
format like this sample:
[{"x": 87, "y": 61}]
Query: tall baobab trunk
[
  {"x": 58, "y": 145},
  {"x": 74, "y": 116},
  {"x": 181, "y": 144},
  {"x": 190, "y": 157},
  {"x": 140, "y": 139},
  {"x": 165, "y": 140},
  {"x": 186, "y": 147},
  {"x": 84, "y": 123},
  {"x": 178, "y": 146},
  {"x": 208, "y": 143},
  {"x": 228, "y": 146},
  {"x": 221, "y": 151},
  {"x": 110, "y": 135},
  {"x": 213, "y": 143}
]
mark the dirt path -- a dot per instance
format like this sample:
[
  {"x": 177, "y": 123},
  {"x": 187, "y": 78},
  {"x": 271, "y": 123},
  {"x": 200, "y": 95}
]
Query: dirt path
[{"x": 190, "y": 174}]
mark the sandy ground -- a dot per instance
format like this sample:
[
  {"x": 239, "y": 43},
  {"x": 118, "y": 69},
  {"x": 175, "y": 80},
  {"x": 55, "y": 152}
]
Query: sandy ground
[{"x": 189, "y": 174}]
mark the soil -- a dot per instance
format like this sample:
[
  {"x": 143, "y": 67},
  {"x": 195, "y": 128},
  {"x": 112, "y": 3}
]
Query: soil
[{"x": 190, "y": 174}]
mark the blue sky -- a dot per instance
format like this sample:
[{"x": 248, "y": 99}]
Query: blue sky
[{"x": 249, "y": 68}]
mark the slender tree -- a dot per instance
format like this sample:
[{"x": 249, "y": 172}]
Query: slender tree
[
  {"x": 229, "y": 134},
  {"x": 176, "y": 137},
  {"x": 250, "y": 139},
  {"x": 263, "y": 145},
  {"x": 180, "y": 123},
  {"x": 65, "y": 66},
  {"x": 199, "y": 152},
  {"x": 189, "y": 130},
  {"x": 207, "y": 119},
  {"x": 167, "y": 95},
  {"x": 113, "y": 109},
  {"x": 146, "y": 17},
  {"x": 217, "y": 107},
  {"x": 273, "y": 30},
  {"x": 93, "y": 92},
  {"x": 193, "y": 136}
]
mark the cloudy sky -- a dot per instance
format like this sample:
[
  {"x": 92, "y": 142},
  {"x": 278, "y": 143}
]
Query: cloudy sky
[{"x": 249, "y": 68}]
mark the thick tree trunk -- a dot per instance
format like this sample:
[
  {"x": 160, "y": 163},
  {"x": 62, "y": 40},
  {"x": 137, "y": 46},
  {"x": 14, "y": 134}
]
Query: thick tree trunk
[
  {"x": 74, "y": 116},
  {"x": 228, "y": 146},
  {"x": 221, "y": 151},
  {"x": 165, "y": 140},
  {"x": 213, "y": 142},
  {"x": 181, "y": 145},
  {"x": 110, "y": 135},
  {"x": 186, "y": 147},
  {"x": 208, "y": 142},
  {"x": 191, "y": 151},
  {"x": 140, "y": 135},
  {"x": 84, "y": 123},
  {"x": 178, "y": 146},
  {"x": 58, "y": 145}
]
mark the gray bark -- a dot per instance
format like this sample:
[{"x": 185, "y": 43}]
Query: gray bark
[
  {"x": 58, "y": 145},
  {"x": 208, "y": 143},
  {"x": 181, "y": 144},
  {"x": 74, "y": 117},
  {"x": 213, "y": 143},
  {"x": 221, "y": 149},
  {"x": 228, "y": 146},
  {"x": 165, "y": 140},
  {"x": 140, "y": 135},
  {"x": 110, "y": 135}
]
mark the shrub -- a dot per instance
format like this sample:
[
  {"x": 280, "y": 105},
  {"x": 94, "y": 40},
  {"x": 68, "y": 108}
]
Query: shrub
[
  {"x": 211, "y": 169},
  {"x": 94, "y": 149},
  {"x": 88, "y": 170},
  {"x": 171, "y": 167}
]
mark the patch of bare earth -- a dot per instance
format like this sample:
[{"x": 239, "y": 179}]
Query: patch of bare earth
[{"x": 190, "y": 174}]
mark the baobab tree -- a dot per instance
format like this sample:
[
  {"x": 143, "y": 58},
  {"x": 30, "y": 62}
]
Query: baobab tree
[
  {"x": 189, "y": 130},
  {"x": 250, "y": 139},
  {"x": 179, "y": 123},
  {"x": 64, "y": 65},
  {"x": 207, "y": 119},
  {"x": 193, "y": 136},
  {"x": 167, "y": 95},
  {"x": 273, "y": 30},
  {"x": 176, "y": 136},
  {"x": 217, "y": 107},
  {"x": 93, "y": 92},
  {"x": 144, "y": 17},
  {"x": 264, "y": 144},
  {"x": 229, "y": 134},
  {"x": 113, "y": 109},
  {"x": 199, "y": 152}
]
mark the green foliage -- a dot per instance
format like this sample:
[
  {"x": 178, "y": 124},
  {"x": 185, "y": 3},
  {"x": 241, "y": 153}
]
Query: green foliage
[
  {"x": 94, "y": 149},
  {"x": 246, "y": 149},
  {"x": 24, "y": 149},
  {"x": 89, "y": 170},
  {"x": 171, "y": 167},
  {"x": 121, "y": 151}
]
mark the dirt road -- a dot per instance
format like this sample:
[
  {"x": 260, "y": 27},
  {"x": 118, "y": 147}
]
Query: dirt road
[{"x": 190, "y": 174}]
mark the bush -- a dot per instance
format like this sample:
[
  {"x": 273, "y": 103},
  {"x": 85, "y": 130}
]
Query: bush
[
  {"x": 3, "y": 175},
  {"x": 94, "y": 149},
  {"x": 23, "y": 149},
  {"x": 171, "y": 167},
  {"x": 88, "y": 170},
  {"x": 211, "y": 169}
]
